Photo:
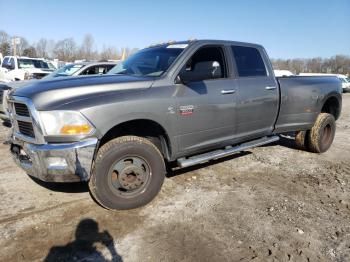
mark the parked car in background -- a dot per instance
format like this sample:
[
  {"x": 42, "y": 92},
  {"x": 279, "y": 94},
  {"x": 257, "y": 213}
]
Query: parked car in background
[
  {"x": 24, "y": 68},
  {"x": 345, "y": 82},
  {"x": 82, "y": 68},
  {"x": 2, "y": 71}
]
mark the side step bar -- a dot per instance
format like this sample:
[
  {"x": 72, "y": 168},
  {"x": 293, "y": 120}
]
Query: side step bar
[{"x": 193, "y": 160}]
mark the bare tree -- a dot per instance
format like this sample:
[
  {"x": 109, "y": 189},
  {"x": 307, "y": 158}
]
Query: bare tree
[
  {"x": 23, "y": 44},
  {"x": 5, "y": 46},
  {"x": 109, "y": 53},
  {"x": 65, "y": 50},
  {"x": 50, "y": 48},
  {"x": 4, "y": 37},
  {"x": 86, "y": 49},
  {"x": 30, "y": 51},
  {"x": 314, "y": 65},
  {"x": 339, "y": 64},
  {"x": 41, "y": 48}
]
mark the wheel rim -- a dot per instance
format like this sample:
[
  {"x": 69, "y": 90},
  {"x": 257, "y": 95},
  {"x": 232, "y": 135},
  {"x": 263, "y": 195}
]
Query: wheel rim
[
  {"x": 327, "y": 136},
  {"x": 129, "y": 176}
]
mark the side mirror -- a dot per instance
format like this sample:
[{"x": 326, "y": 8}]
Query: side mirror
[{"x": 178, "y": 80}]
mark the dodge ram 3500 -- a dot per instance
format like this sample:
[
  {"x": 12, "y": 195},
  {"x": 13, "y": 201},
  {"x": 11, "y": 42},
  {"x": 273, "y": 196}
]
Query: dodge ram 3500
[{"x": 183, "y": 102}]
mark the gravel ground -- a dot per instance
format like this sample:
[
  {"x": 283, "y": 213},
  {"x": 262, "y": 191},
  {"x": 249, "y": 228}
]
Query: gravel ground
[{"x": 272, "y": 203}]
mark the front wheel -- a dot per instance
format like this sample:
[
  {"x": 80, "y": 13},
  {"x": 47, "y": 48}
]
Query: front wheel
[{"x": 128, "y": 173}]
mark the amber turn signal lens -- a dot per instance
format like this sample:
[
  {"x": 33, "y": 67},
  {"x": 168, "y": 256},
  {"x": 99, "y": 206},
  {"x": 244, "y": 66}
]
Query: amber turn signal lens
[{"x": 75, "y": 130}]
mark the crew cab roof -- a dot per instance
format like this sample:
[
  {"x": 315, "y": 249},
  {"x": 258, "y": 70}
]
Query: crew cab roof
[{"x": 204, "y": 42}]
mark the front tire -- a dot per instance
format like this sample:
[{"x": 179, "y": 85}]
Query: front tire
[
  {"x": 322, "y": 133},
  {"x": 128, "y": 173}
]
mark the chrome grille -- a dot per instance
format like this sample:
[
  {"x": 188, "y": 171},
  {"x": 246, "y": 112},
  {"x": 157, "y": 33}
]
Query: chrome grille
[
  {"x": 21, "y": 110},
  {"x": 25, "y": 120},
  {"x": 26, "y": 128}
]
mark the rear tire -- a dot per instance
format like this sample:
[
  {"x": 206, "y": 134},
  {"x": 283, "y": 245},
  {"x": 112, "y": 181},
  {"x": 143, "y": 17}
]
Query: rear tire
[
  {"x": 322, "y": 133},
  {"x": 301, "y": 140},
  {"x": 128, "y": 173}
]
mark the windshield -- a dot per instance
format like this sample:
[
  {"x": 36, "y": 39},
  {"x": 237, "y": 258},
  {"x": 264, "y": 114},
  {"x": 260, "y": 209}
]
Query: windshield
[
  {"x": 51, "y": 66},
  {"x": 25, "y": 63},
  {"x": 67, "y": 70},
  {"x": 150, "y": 61}
]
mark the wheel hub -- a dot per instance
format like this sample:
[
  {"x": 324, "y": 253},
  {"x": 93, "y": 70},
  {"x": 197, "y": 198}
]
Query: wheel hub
[
  {"x": 131, "y": 177},
  {"x": 129, "y": 174}
]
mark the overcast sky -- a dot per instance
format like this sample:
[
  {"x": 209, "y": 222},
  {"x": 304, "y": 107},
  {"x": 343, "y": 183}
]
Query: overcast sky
[{"x": 287, "y": 29}]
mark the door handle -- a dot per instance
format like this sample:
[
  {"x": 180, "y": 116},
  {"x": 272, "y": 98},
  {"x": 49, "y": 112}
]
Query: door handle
[
  {"x": 270, "y": 88},
  {"x": 228, "y": 91}
]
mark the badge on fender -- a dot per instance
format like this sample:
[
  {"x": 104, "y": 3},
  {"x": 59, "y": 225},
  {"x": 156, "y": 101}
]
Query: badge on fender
[{"x": 186, "y": 110}]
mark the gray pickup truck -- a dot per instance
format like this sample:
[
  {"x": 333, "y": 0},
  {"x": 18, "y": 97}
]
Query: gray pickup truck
[{"x": 182, "y": 102}]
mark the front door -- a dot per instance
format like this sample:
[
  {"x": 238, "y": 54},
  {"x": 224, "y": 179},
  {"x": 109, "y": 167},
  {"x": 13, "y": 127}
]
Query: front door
[{"x": 206, "y": 101}]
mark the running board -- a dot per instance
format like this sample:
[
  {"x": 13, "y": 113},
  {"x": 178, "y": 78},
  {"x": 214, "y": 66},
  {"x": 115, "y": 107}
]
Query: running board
[{"x": 193, "y": 160}]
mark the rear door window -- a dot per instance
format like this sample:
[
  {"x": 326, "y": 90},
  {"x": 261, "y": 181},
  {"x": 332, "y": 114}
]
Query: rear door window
[{"x": 248, "y": 61}]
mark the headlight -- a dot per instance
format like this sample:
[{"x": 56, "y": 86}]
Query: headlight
[{"x": 58, "y": 123}]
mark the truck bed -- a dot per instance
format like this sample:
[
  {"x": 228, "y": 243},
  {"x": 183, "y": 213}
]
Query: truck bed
[{"x": 302, "y": 98}]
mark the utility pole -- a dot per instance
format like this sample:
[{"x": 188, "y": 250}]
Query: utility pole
[{"x": 15, "y": 41}]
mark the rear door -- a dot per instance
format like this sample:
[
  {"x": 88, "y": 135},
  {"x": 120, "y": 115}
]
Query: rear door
[{"x": 258, "y": 93}]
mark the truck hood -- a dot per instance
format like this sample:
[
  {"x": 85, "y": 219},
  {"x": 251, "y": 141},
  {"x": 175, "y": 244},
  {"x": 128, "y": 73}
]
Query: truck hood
[
  {"x": 49, "y": 94},
  {"x": 38, "y": 70}
]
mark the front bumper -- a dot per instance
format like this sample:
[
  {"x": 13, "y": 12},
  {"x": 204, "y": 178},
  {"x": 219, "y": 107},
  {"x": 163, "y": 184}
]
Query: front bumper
[
  {"x": 4, "y": 116},
  {"x": 3, "y": 106},
  {"x": 70, "y": 162}
]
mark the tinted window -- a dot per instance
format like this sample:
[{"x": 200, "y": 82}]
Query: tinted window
[
  {"x": 92, "y": 70},
  {"x": 5, "y": 61},
  {"x": 249, "y": 61},
  {"x": 206, "y": 63},
  {"x": 25, "y": 63}
]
